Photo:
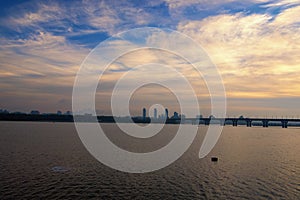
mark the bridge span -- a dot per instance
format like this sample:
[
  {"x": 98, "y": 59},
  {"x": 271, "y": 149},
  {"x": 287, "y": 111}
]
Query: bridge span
[{"x": 265, "y": 122}]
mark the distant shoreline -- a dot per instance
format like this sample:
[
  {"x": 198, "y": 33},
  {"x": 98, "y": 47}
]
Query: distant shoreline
[
  {"x": 81, "y": 118},
  {"x": 111, "y": 119}
]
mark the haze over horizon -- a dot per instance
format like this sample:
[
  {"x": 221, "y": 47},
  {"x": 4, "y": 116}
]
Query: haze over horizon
[{"x": 255, "y": 45}]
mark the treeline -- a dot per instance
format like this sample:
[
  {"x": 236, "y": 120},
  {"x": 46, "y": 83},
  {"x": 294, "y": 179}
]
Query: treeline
[{"x": 32, "y": 117}]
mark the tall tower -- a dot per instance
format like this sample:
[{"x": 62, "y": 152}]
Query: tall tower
[
  {"x": 144, "y": 114},
  {"x": 167, "y": 113},
  {"x": 155, "y": 113}
]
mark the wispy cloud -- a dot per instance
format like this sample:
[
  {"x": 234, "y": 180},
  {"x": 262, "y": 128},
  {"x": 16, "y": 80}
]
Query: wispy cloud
[
  {"x": 40, "y": 66},
  {"x": 83, "y": 16},
  {"x": 284, "y": 3},
  {"x": 258, "y": 52}
]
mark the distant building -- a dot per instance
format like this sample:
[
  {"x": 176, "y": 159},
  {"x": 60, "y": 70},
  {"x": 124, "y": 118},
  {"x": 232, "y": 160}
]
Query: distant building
[
  {"x": 3, "y": 111},
  {"x": 18, "y": 113},
  {"x": 68, "y": 113},
  {"x": 144, "y": 113},
  {"x": 155, "y": 113},
  {"x": 35, "y": 112},
  {"x": 199, "y": 116},
  {"x": 175, "y": 116},
  {"x": 167, "y": 113},
  {"x": 58, "y": 112}
]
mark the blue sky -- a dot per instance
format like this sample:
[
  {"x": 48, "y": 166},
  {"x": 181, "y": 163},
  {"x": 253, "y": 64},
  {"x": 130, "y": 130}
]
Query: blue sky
[{"x": 254, "y": 43}]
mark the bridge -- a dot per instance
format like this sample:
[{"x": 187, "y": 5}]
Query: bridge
[{"x": 265, "y": 122}]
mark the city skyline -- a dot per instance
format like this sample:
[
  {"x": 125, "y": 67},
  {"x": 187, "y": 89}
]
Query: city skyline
[{"x": 152, "y": 115}]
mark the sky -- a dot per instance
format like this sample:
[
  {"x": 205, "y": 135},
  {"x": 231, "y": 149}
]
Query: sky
[{"x": 255, "y": 45}]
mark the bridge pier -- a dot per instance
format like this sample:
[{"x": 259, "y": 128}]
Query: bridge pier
[
  {"x": 249, "y": 123},
  {"x": 207, "y": 122},
  {"x": 265, "y": 123},
  {"x": 234, "y": 122},
  {"x": 284, "y": 123},
  {"x": 222, "y": 122}
]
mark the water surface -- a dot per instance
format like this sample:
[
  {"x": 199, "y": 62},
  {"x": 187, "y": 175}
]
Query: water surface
[{"x": 48, "y": 160}]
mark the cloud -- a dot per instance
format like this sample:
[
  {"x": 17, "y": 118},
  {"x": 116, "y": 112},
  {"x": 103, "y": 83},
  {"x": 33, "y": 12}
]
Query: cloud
[
  {"x": 255, "y": 43},
  {"x": 281, "y": 3},
  {"x": 258, "y": 52},
  {"x": 289, "y": 17},
  {"x": 41, "y": 53},
  {"x": 83, "y": 17},
  {"x": 197, "y": 10},
  {"x": 44, "y": 13},
  {"x": 40, "y": 66}
]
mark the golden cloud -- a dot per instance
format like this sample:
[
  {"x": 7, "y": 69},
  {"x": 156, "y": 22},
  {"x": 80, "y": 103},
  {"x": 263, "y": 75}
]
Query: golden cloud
[{"x": 249, "y": 49}]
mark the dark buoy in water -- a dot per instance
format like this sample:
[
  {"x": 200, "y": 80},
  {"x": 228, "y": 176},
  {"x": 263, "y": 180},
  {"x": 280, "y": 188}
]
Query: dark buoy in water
[{"x": 214, "y": 159}]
